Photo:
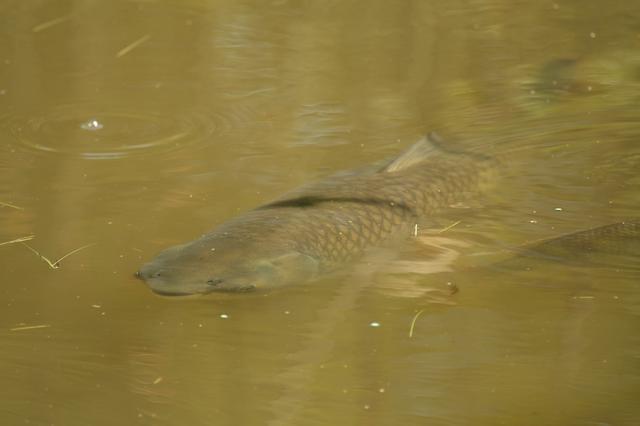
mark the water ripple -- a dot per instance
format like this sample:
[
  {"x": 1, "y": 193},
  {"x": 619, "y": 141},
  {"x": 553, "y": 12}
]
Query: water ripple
[{"x": 105, "y": 132}]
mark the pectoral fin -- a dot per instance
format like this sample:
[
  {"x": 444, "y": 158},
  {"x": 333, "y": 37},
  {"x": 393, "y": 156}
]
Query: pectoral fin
[{"x": 295, "y": 266}]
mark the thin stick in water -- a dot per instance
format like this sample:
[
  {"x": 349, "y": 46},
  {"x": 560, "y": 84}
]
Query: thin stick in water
[
  {"x": 449, "y": 227},
  {"x": 132, "y": 45},
  {"x": 413, "y": 323},
  {"x": 30, "y": 327},
  {"x": 13, "y": 206},
  {"x": 19, "y": 240},
  {"x": 56, "y": 264},
  {"x": 51, "y": 23}
]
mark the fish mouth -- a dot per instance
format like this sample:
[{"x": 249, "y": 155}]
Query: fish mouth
[
  {"x": 215, "y": 285},
  {"x": 178, "y": 293}
]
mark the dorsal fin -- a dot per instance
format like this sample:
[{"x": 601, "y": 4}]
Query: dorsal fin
[{"x": 425, "y": 148}]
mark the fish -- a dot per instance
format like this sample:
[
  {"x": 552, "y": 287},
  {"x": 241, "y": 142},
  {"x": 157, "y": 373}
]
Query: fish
[
  {"x": 322, "y": 226},
  {"x": 596, "y": 246}
]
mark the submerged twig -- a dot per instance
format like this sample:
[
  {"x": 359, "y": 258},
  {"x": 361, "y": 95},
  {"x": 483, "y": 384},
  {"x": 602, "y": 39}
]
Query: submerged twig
[
  {"x": 413, "y": 323},
  {"x": 51, "y": 23},
  {"x": 30, "y": 327},
  {"x": 13, "y": 206},
  {"x": 19, "y": 240},
  {"x": 449, "y": 227},
  {"x": 56, "y": 264},
  {"x": 132, "y": 45}
]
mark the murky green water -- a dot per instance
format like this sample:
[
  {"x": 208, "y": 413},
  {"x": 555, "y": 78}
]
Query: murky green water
[{"x": 133, "y": 126}]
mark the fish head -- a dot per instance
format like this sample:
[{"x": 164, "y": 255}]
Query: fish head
[{"x": 209, "y": 265}]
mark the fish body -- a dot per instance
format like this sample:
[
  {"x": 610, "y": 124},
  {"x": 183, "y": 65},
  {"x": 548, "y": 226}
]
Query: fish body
[
  {"x": 321, "y": 226},
  {"x": 613, "y": 245},
  {"x": 621, "y": 238}
]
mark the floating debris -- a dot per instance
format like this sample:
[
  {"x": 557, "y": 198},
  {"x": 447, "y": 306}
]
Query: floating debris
[
  {"x": 30, "y": 327},
  {"x": 158, "y": 380},
  {"x": 132, "y": 45},
  {"x": 413, "y": 323},
  {"x": 92, "y": 125},
  {"x": 449, "y": 227},
  {"x": 13, "y": 206},
  {"x": 224, "y": 316},
  {"x": 374, "y": 324},
  {"x": 51, "y": 23},
  {"x": 56, "y": 264},
  {"x": 19, "y": 240}
]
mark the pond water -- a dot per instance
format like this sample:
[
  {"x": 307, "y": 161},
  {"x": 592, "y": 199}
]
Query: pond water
[{"x": 130, "y": 126}]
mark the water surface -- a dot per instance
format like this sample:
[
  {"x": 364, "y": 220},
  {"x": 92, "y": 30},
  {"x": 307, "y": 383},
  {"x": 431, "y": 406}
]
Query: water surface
[{"x": 138, "y": 125}]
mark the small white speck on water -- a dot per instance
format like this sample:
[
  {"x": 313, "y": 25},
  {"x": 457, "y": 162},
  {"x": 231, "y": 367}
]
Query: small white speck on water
[
  {"x": 532, "y": 92},
  {"x": 287, "y": 312},
  {"x": 199, "y": 325},
  {"x": 558, "y": 209},
  {"x": 381, "y": 390},
  {"x": 592, "y": 34},
  {"x": 374, "y": 324},
  {"x": 92, "y": 125},
  {"x": 3, "y": 92},
  {"x": 533, "y": 221},
  {"x": 589, "y": 88},
  {"x": 556, "y": 6},
  {"x": 415, "y": 230},
  {"x": 213, "y": 249},
  {"x": 366, "y": 406},
  {"x": 224, "y": 316}
]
